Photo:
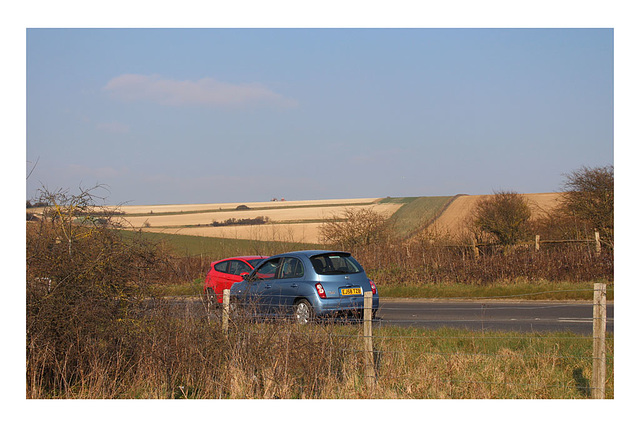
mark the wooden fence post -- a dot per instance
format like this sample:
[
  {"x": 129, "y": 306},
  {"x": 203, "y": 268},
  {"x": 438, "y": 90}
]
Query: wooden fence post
[
  {"x": 598, "y": 244},
  {"x": 537, "y": 242},
  {"x": 369, "y": 370},
  {"x": 598, "y": 375},
  {"x": 476, "y": 251},
  {"x": 225, "y": 310}
]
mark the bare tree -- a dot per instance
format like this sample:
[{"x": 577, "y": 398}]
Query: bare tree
[{"x": 588, "y": 196}]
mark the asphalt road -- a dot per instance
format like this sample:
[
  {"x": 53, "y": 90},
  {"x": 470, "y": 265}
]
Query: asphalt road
[
  {"x": 492, "y": 315},
  {"x": 473, "y": 315}
]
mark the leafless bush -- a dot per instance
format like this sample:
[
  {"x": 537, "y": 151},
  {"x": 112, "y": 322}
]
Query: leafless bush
[
  {"x": 443, "y": 261},
  {"x": 94, "y": 281},
  {"x": 355, "y": 228}
]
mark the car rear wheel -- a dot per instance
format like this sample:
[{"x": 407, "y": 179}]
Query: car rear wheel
[{"x": 302, "y": 312}]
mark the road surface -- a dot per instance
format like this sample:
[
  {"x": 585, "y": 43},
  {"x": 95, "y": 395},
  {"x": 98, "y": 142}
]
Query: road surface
[{"x": 492, "y": 315}]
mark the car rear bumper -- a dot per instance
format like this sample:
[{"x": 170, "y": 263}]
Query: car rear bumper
[{"x": 330, "y": 306}]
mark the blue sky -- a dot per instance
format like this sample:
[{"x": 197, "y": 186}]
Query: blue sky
[{"x": 231, "y": 115}]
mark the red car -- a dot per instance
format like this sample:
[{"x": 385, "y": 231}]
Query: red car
[{"x": 226, "y": 272}]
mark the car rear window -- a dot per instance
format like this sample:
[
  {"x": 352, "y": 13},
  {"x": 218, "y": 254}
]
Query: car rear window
[
  {"x": 222, "y": 267},
  {"x": 335, "y": 264}
]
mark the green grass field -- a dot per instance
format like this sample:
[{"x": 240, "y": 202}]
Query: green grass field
[
  {"x": 415, "y": 213},
  {"x": 217, "y": 248}
]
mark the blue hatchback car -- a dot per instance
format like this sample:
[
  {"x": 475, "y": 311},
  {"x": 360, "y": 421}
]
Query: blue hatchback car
[{"x": 306, "y": 284}]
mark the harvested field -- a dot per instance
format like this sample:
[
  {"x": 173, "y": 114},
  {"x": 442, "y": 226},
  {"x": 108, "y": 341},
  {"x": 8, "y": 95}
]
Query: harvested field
[
  {"x": 146, "y": 209},
  {"x": 294, "y": 233},
  {"x": 299, "y": 220},
  {"x": 290, "y": 215},
  {"x": 289, "y": 221},
  {"x": 455, "y": 217}
]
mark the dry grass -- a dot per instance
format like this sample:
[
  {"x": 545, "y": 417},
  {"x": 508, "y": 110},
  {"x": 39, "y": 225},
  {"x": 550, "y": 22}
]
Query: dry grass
[{"x": 166, "y": 356}]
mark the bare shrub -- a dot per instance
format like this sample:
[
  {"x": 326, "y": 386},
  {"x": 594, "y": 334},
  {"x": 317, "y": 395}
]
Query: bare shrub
[
  {"x": 503, "y": 215},
  {"x": 94, "y": 282},
  {"x": 355, "y": 228},
  {"x": 446, "y": 261}
]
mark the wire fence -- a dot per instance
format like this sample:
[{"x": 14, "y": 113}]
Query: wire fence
[{"x": 441, "y": 355}]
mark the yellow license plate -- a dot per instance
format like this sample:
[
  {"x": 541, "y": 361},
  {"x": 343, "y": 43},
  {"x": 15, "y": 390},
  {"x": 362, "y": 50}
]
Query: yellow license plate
[{"x": 351, "y": 291}]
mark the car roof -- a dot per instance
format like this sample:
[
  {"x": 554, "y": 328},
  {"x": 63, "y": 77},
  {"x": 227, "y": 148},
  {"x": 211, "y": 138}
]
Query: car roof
[
  {"x": 311, "y": 253},
  {"x": 244, "y": 257}
]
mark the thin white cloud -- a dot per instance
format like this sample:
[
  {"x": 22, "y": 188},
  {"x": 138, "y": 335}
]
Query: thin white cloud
[{"x": 203, "y": 92}]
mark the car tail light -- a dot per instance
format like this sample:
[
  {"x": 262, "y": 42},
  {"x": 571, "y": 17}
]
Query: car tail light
[
  {"x": 320, "y": 289},
  {"x": 374, "y": 290}
]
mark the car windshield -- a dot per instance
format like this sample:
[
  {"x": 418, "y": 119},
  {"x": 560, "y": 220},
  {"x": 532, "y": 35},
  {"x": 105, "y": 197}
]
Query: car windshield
[
  {"x": 254, "y": 262},
  {"x": 335, "y": 264}
]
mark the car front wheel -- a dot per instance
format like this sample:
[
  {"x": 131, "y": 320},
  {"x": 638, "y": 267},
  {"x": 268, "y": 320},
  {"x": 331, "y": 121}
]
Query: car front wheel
[{"x": 302, "y": 312}]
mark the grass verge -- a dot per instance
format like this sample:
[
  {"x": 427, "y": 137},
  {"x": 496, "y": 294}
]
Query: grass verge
[
  {"x": 165, "y": 356},
  {"x": 461, "y": 364}
]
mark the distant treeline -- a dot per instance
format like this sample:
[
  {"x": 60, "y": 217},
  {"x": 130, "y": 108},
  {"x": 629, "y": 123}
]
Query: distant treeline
[
  {"x": 245, "y": 221},
  {"x": 36, "y": 204}
]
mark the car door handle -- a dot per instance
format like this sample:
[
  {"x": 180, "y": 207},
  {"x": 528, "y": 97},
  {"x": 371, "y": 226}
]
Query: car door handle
[
  {"x": 294, "y": 285},
  {"x": 267, "y": 286}
]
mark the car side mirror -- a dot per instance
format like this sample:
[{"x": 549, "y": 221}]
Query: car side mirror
[{"x": 245, "y": 276}]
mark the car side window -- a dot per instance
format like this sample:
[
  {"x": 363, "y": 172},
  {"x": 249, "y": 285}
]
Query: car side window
[
  {"x": 267, "y": 270},
  {"x": 222, "y": 267},
  {"x": 238, "y": 267},
  {"x": 291, "y": 268}
]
